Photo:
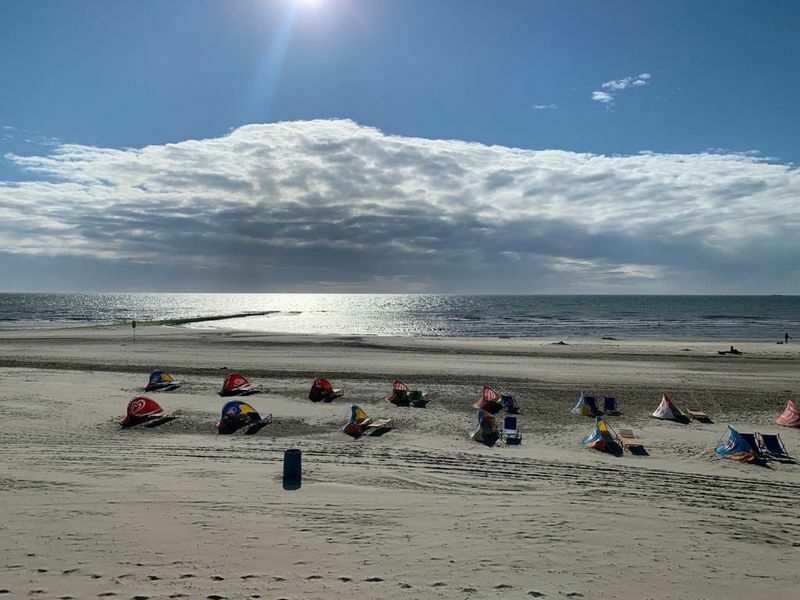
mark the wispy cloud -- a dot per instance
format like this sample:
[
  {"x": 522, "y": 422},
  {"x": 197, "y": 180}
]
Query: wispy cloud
[
  {"x": 607, "y": 94},
  {"x": 301, "y": 204},
  {"x": 545, "y": 107}
]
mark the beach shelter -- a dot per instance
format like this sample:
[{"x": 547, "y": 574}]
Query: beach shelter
[
  {"x": 237, "y": 414},
  {"x": 144, "y": 410},
  {"x": 361, "y": 424},
  {"x": 668, "y": 411},
  {"x": 399, "y": 393},
  {"x": 790, "y": 417},
  {"x": 236, "y": 385},
  {"x": 603, "y": 438},
  {"x": 162, "y": 382},
  {"x": 358, "y": 422},
  {"x": 323, "y": 391},
  {"x": 586, "y": 406},
  {"x": 490, "y": 401},
  {"x": 734, "y": 446},
  {"x": 486, "y": 430}
]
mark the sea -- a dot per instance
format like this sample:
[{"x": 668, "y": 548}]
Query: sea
[{"x": 553, "y": 317}]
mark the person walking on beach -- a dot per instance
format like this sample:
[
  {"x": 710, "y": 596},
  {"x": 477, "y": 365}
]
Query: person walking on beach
[{"x": 786, "y": 337}]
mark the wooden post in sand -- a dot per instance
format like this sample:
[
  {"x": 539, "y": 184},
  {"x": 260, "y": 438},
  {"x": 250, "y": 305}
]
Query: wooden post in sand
[{"x": 133, "y": 325}]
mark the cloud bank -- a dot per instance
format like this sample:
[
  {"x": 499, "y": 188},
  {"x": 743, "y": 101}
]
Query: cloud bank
[{"x": 332, "y": 205}]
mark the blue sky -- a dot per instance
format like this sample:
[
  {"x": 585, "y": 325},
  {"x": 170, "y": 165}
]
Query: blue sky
[
  {"x": 134, "y": 73},
  {"x": 677, "y": 78}
]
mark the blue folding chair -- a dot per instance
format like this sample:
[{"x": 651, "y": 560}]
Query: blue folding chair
[
  {"x": 511, "y": 431},
  {"x": 610, "y": 405}
]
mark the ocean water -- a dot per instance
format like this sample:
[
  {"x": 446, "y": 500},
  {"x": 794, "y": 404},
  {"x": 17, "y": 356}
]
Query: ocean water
[{"x": 557, "y": 317}]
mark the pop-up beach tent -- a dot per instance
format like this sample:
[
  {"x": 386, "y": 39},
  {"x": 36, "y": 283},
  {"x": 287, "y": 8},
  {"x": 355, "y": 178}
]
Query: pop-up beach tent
[
  {"x": 486, "y": 430},
  {"x": 603, "y": 438},
  {"x": 145, "y": 411},
  {"x": 402, "y": 395},
  {"x": 586, "y": 406},
  {"x": 790, "y": 417},
  {"x": 237, "y": 414},
  {"x": 734, "y": 446},
  {"x": 668, "y": 411},
  {"x": 162, "y": 382},
  {"x": 399, "y": 393},
  {"x": 490, "y": 401},
  {"x": 237, "y": 385},
  {"x": 323, "y": 391},
  {"x": 360, "y": 423}
]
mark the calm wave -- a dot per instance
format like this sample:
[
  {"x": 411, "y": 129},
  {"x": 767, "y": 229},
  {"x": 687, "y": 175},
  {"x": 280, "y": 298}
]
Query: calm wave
[{"x": 699, "y": 317}]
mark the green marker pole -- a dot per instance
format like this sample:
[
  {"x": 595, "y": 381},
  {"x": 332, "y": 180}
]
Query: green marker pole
[{"x": 133, "y": 325}]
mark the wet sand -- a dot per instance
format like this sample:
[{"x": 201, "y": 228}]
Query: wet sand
[{"x": 421, "y": 512}]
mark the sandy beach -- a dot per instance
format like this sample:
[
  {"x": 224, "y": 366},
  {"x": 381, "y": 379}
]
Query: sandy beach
[{"x": 422, "y": 512}]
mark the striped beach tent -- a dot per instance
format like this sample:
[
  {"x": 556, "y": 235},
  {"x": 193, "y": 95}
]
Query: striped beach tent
[
  {"x": 668, "y": 411},
  {"x": 490, "y": 401},
  {"x": 790, "y": 417}
]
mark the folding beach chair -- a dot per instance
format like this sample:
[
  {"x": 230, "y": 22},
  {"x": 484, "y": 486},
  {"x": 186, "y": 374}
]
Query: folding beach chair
[
  {"x": 632, "y": 443},
  {"x": 772, "y": 446},
  {"x": 511, "y": 431},
  {"x": 610, "y": 405},
  {"x": 694, "y": 411}
]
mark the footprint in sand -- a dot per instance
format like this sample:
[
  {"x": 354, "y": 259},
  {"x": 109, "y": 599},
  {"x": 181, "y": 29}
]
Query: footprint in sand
[
  {"x": 41, "y": 570},
  {"x": 344, "y": 579},
  {"x": 469, "y": 590},
  {"x": 438, "y": 584},
  {"x": 406, "y": 586},
  {"x": 250, "y": 576},
  {"x": 68, "y": 571},
  {"x": 373, "y": 579},
  {"x": 574, "y": 595},
  {"x": 66, "y": 598},
  {"x": 217, "y": 578},
  {"x": 503, "y": 586},
  {"x": 178, "y": 595},
  {"x": 314, "y": 577},
  {"x": 276, "y": 578},
  {"x": 536, "y": 594},
  {"x": 106, "y": 594},
  {"x": 215, "y": 597},
  {"x": 186, "y": 576},
  {"x": 140, "y": 598},
  {"x": 154, "y": 578}
]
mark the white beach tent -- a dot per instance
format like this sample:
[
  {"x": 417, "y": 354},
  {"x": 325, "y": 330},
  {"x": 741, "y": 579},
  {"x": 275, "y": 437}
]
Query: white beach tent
[{"x": 667, "y": 410}]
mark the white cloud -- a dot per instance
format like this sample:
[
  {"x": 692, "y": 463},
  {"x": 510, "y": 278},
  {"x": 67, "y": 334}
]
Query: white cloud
[
  {"x": 545, "y": 107},
  {"x": 617, "y": 85},
  {"x": 603, "y": 97},
  {"x": 306, "y": 203}
]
